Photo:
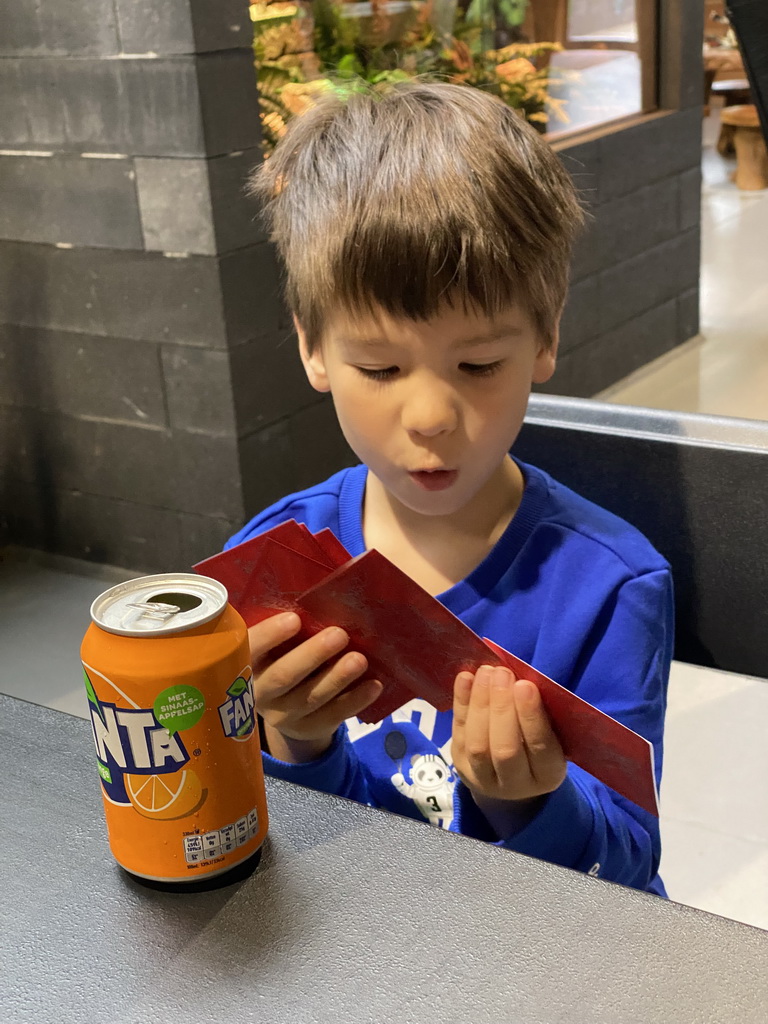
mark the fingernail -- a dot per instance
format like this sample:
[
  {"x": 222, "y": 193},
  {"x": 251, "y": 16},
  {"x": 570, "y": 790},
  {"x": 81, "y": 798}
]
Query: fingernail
[
  {"x": 484, "y": 674},
  {"x": 290, "y": 620},
  {"x": 335, "y": 637},
  {"x": 501, "y": 676},
  {"x": 355, "y": 662},
  {"x": 524, "y": 688}
]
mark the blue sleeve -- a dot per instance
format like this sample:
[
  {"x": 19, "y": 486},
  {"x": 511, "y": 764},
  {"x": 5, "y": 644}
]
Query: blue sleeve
[
  {"x": 338, "y": 771},
  {"x": 624, "y": 670}
]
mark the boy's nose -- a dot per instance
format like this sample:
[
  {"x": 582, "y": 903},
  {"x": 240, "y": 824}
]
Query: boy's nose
[{"x": 430, "y": 411}]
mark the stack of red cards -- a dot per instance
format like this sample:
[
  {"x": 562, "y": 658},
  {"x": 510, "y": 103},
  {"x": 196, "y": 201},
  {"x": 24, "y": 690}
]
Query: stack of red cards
[{"x": 413, "y": 644}]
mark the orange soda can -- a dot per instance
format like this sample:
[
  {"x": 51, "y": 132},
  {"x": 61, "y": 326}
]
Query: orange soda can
[{"x": 170, "y": 696}]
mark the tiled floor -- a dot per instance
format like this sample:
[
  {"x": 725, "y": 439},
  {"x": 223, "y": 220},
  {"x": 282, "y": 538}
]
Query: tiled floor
[
  {"x": 715, "y": 789},
  {"x": 725, "y": 371}
]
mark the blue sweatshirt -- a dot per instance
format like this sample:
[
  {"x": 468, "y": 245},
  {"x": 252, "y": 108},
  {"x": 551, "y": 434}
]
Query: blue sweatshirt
[{"x": 569, "y": 588}]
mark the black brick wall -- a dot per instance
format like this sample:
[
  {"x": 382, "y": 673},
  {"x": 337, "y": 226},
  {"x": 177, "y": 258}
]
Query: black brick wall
[
  {"x": 132, "y": 269},
  {"x": 635, "y": 278},
  {"x": 150, "y": 393}
]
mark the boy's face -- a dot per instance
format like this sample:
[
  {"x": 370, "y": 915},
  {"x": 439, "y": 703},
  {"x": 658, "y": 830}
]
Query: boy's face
[{"x": 431, "y": 407}]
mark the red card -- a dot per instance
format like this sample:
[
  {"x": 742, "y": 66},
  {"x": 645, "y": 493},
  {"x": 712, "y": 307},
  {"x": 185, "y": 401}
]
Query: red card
[
  {"x": 605, "y": 748},
  {"x": 413, "y": 644},
  {"x": 336, "y": 553},
  {"x": 234, "y": 568},
  {"x": 279, "y": 576}
]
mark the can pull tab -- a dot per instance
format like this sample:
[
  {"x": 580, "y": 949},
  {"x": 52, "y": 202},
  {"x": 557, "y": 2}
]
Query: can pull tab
[{"x": 154, "y": 611}]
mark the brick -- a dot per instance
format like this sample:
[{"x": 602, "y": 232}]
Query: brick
[
  {"x": 175, "y": 470},
  {"x": 291, "y": 455},
  {"x": 160, "y": 107},
  {"x": 108, "y": 530},
  {"x": 636, "y": 222},
  {"x": 689, "y": 187},
  {"x": 268, "y": 381},
  {"x": 183, "y": 26},
  {"x": 688, "y": 314},
  {"x": 81, "y": 375},
  {"x": 658, "y": 147},
  {"x": 72, "y": 29},
  {"x": 198, "y": 206},
  {"x": 235, "y": 216},
  {"x": 144, "y": 296},
  {"x": 581, "y": 317},
  {"x": 175, "y": 205},
  {"x": 199, "y": 390},
  {"x": 144, "y": 106},
  {"x": 587, "y": 255},
  {"x": 69, "y": 199},
  {"x": 594, "y": 366},
  {"x": 251, "y": 292},
  {"x": 648, "y": 280},
  {"x": 582, "y": 160},
  {"x": 229, "y": 101}
]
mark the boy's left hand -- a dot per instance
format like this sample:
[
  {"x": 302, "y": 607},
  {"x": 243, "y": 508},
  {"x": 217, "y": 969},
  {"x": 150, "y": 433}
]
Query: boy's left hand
[{"x": 503, "y": 747}]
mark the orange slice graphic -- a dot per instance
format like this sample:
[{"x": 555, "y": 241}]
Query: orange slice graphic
[{"x": 163, "y": 797}]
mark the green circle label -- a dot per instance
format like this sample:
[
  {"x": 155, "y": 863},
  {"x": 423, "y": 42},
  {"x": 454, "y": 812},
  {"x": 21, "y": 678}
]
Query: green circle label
[{"x": 179, "y": 707}]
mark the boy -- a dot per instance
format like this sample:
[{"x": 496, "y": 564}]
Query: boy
[{"x": 426, "y": 232}]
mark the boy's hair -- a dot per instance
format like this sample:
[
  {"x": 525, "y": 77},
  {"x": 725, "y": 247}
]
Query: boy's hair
[{"x": 413, "y": 196}]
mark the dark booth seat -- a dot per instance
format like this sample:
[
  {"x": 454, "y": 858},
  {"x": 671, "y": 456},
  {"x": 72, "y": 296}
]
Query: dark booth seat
[{"x": 697, "y": 487}]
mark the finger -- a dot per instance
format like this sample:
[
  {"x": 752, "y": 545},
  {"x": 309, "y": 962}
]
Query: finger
[
  {"x": 462, "y": 688},
  {"x": 545, "y": 755},
  {"x": 271, "y": 633},
  {"x": 347, "y": 705},
  {"x": 326, "y": 684},
  {"x": 476, "y": 728},
  {"x": 505, "y": 738},
  {"x": 293, "y": 668}
]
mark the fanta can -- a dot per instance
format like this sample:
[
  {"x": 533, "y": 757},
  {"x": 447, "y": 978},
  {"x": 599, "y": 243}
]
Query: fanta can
[{"x": 170, "y": 698}]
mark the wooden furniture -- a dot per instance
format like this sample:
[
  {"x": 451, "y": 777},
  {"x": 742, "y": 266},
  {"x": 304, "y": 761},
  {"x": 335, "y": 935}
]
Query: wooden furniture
[
  {"x": 732, "y": 90},
  {"x": 720, "y": 60},
  {"x": 741, "y": 128}
]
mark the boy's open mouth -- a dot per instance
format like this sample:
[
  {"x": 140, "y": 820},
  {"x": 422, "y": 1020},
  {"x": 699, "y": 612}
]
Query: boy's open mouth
[{"x": 434, "y": 480}]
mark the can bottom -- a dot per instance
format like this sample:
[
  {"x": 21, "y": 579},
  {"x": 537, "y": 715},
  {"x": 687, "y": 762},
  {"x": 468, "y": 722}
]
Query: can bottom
[{"x": 205, "y": 883}]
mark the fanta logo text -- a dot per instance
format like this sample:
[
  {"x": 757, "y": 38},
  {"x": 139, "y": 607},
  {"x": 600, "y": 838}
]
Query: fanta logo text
[
  {"x": 135, "y": 740},
  {"x": 236, "y": 713}
]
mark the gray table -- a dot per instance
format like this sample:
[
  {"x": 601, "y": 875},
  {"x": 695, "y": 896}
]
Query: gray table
[{"x": 353, "y": 915}]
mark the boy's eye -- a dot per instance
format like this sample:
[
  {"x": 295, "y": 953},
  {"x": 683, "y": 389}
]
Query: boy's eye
[
  {"x": 386, "y": 374},
  {"x": 481, "y": 369}
]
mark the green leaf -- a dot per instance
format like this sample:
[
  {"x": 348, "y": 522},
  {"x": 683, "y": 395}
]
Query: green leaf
[
  {"x": 238, "y": 687},
  {"x": 90, "y": 690}
]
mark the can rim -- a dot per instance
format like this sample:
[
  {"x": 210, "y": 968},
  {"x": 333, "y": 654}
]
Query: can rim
[{"x": 179, "y": 581}]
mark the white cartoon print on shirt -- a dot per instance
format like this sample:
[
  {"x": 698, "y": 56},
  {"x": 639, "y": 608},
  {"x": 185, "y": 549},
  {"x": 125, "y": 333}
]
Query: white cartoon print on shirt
[{"x": 431, "y": 788}]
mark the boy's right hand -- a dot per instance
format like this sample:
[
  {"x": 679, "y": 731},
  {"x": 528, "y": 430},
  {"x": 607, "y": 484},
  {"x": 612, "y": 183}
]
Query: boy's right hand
[{"x": 302, "y": 696}]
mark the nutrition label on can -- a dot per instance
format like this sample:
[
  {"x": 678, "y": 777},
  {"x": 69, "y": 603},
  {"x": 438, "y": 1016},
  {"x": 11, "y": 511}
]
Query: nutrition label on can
[{"x": 209, "y": 845}]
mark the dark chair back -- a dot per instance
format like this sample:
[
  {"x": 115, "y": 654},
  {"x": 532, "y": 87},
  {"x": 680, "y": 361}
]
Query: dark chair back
[
  {"x": 697, "y": 487},
  {"x": 749, "y": 19}
]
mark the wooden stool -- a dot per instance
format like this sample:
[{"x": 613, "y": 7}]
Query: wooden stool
[
  {"x": 733, "y": 91},
  {"x": 751, "y": 155}
]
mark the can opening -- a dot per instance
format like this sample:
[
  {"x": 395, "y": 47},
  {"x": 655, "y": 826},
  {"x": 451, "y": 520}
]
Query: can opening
[{"x": 184, "y": 602}]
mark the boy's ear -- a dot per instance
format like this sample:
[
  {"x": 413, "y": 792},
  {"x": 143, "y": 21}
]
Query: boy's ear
[
  {"x": 314, "y": 365},
  {"x": 546, "y": 360}
]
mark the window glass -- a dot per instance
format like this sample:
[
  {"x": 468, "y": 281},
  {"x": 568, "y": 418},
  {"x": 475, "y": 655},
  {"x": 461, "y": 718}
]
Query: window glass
[{"x": 565, "y": 64}]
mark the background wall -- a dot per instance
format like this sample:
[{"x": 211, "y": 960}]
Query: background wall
[{"x": 150, "y": 395}]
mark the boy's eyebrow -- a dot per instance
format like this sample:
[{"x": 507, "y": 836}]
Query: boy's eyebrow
[{"x": 505, "y": 331}]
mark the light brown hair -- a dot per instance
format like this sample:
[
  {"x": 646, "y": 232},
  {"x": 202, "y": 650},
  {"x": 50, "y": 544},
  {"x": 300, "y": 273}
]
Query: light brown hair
[{"x": 414, "y": 196}]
